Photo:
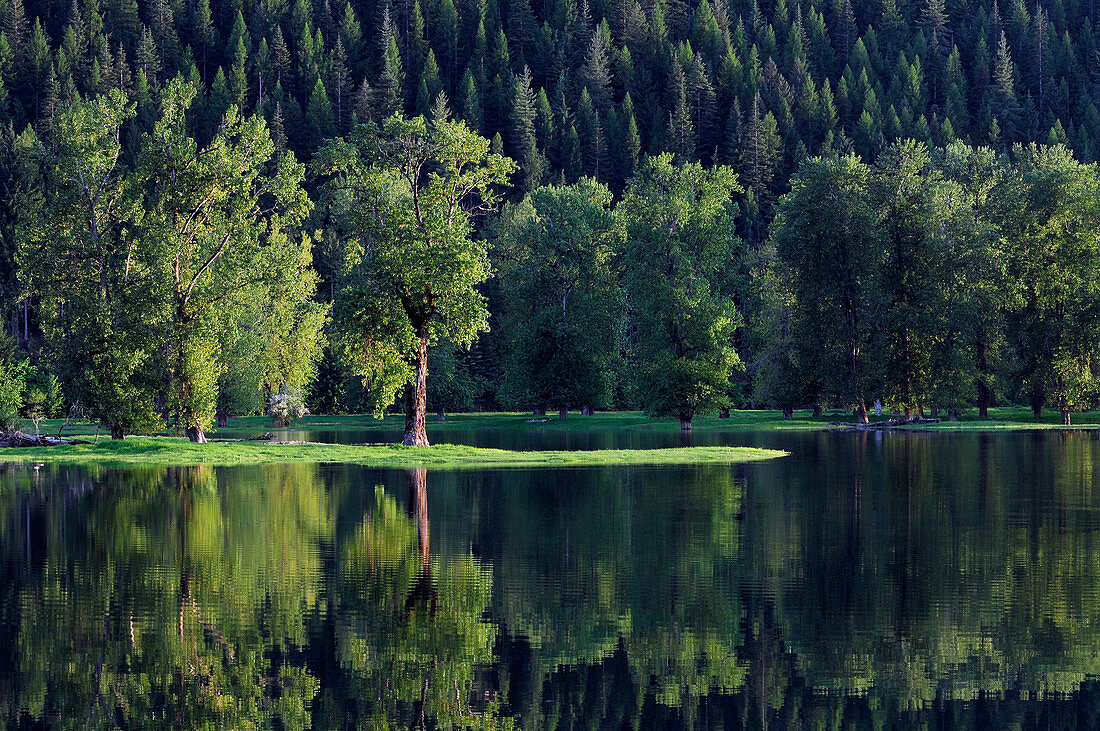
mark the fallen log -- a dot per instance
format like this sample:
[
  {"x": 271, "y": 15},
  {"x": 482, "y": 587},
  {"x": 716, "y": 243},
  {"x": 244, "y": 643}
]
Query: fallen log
[
  {"x": 887, "y": 424},
  {"x": 21, "y": 439}
]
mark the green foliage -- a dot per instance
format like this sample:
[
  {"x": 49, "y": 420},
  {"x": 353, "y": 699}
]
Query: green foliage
[
  {"x": 101, "y": 307},
  {"x": 224, "y": 218},
  {"x": 1051, "y": 215},
  {"x": 678, "y": 241},
  {"x": 12, "y": 385},
  {"x": 562, "y": 302},
  {"x": 836, "y": 263},
  {"x": 405, "y": 194},
  {"x": 180, "y": 255},
  {"x": 454, "y": 385}
]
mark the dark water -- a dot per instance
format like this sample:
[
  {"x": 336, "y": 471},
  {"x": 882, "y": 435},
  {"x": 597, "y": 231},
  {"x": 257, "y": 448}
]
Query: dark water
[
  {"x": 867, "y": 581},
  {"x": 533, "y": 437}
]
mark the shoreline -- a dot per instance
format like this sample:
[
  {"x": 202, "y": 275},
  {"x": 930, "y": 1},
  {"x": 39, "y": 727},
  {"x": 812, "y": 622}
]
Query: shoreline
[{"x": 174, "y": 451}]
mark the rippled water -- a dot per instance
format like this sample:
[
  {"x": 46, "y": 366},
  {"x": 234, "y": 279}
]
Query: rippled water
[{"x": 867, "y": 581}]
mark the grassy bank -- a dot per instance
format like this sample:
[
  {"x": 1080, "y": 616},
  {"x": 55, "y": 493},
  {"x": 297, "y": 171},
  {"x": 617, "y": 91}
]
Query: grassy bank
[
  {"x": 389, "y": 428},
  {"x": 173, "y": 451},
  {"x": 762, "y": 420}
]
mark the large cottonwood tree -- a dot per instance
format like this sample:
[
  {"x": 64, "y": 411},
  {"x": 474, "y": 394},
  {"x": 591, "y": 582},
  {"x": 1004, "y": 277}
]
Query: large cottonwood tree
[
  {"x": 562, "y": 303},
  {"x": 224, "y": 217},
  {"x": 96, "y": 276},
  {"x": 405, "y": 195},
  {"x": 679, "y": 253},
  {"x": 825, "y": 232},
  {"x": 149, "y": 271},
  {"x": 1050, "y": 218}
]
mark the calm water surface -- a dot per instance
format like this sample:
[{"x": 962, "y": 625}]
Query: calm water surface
[{"x": 867, "y": 581}]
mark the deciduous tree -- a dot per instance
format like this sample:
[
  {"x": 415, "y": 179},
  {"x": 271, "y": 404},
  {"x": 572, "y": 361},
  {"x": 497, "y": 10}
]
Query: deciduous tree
[
  {"x": 406, "y": 194},
  {"x": 678, "y": 243}
]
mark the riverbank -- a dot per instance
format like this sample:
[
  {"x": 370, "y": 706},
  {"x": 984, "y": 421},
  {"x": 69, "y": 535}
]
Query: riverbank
[
  {"x": 311, "y": 428},
  {"x": 175, "y": 451},
  {"x": 756, "y": 420}
]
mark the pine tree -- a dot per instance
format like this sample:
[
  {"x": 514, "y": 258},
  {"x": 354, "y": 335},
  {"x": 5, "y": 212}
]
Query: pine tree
[
  {"x": 238, "y": 75},
  {"x": 532, "y": 163},
  {"x": 597, "y": 73},
  {"x": 681, "y": 131},
  {"x": 339, "y": 80},
  {"x": 351, "y": 33},
  {"x": 469, "y": 102},
  {"x": 280, "y": 55},
  {"x": 760, "y": 149},
  {"x": 320, "y": 124},
  {"x": 1004, "y": 102},
  {"x": 704, "y": 115},
  {"x": 594, "y": 144},
  {"x": 364, "y": 103},
  {"x": 388, "y": 91},
  {"x": 521, "y": 29},
  {"x": 628, "y": 148},
  {"x": 203, "y": 34}
]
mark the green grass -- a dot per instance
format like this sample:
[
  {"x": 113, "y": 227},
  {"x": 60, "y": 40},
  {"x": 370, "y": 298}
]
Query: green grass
[
  {"x": 1001, "y": 419},
  {"x": 762, "y": 420},
  {"x": 174, "y": 451},
  {"x": 633, "y": 421}
]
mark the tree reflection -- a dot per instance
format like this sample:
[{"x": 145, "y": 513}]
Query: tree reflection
[
  {"x": 165, "y": 597},
  {"x": 975, "y": 575},
  {"x": 409, "y": 626},
  {"x": 898, "y": 582}
]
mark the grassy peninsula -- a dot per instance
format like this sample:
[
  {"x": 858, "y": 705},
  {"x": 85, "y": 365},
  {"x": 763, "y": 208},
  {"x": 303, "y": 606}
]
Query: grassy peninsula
[{"x": 176, "y": 451}]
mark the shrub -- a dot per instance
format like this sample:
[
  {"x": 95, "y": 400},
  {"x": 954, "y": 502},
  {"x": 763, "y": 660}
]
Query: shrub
[
  {"x": 286, "y": 406},
  {"x": 12, "y": 383}
]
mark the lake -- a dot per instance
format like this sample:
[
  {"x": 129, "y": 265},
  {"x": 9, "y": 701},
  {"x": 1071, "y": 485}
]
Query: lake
[{"x": 900, "y": 580}]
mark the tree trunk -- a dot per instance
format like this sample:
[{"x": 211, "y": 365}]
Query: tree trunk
[
  {"x": 117, "y": 432},
  {"x": 819, "y": 411},
  {"x": 416, "y": 400},
  {"x": 442, "y": 415},
  {"x": 861, "y": 413},
  {"x": 540, "y": 411},
  {"x": 788, "y": 412},
  {"x": 724, "y": 414},
  {"x": 196, "y": 434},
  {"x": 586, "y": 410},
  {"x": 685, "y": 423},
  {"x": 1037, "y": 412},
  {"x": 563, "y": 412},
  {"x": 223, "y": 421},
  {"x": 1065, "y": 418},
  {"x": 953, "y": 414},
  {"x": 985, "y": 394}
]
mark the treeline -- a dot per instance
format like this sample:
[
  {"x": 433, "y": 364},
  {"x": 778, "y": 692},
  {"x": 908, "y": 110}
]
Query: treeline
[
  {"x": 178, "y": 287},
  {"x": 166, "y": 259}
]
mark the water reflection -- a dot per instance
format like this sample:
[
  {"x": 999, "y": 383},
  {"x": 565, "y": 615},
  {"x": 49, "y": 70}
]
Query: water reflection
[{"x": 868, "y": 581}]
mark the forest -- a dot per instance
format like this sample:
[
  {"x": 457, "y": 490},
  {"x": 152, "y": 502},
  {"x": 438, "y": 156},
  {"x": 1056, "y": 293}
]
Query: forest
[{"x": 216, "y": 209}]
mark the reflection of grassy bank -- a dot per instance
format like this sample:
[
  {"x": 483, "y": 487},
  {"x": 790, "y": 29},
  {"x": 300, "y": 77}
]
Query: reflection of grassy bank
[{"x": 173, "y": 451}]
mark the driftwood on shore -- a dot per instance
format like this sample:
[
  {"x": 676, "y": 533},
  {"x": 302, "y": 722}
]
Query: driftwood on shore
[
  {"x": 20, "y": 439},
  {"x": 888, "y": 424}
]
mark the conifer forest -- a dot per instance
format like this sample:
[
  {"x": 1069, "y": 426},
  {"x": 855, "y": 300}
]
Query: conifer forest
[{"x": 212, "y": 208}]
